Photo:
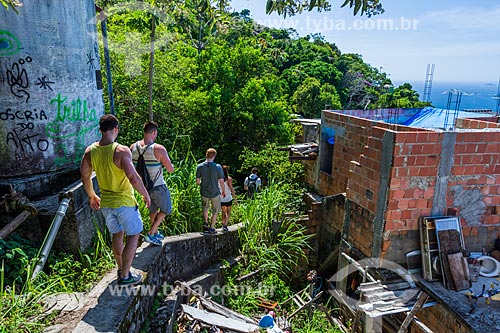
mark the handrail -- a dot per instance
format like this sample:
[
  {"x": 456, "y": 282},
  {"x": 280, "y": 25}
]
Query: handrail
[{"x": 50, "y": 237}]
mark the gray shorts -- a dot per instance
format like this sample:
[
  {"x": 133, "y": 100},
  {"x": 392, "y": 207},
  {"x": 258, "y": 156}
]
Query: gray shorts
[
  {"x": 160, "y": 199},
  {"x": 216, "y": 207},
  {"x": 127, "y": 219}
]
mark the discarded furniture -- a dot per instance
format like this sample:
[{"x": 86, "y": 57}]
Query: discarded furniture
[{"x": 442, "y": 248}]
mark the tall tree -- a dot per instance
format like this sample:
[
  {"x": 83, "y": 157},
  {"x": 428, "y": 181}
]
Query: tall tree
[{"x": 292, "y": 7}]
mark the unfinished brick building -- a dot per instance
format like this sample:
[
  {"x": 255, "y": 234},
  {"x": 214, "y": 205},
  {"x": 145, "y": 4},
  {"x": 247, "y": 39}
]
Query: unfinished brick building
[{"x": 377, "y": 178}]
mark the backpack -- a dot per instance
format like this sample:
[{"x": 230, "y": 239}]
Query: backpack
[
  {"x": 142, "y": 170},
  {"x": 252, "y": 186}
]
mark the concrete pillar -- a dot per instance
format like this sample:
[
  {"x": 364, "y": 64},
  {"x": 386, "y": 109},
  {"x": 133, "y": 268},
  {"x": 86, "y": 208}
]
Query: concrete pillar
[{"x": 50, "y": 88}]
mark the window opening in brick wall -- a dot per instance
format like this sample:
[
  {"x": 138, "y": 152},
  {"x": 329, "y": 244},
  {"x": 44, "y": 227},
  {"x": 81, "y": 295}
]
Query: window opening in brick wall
[{"x": 326, "y": 155}]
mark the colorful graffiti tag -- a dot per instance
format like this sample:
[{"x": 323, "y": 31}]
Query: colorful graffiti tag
[
  {"x": 9, "y": 44},
  {"x": 71, "y": 111},
  {"x": 38, "y": 122}
]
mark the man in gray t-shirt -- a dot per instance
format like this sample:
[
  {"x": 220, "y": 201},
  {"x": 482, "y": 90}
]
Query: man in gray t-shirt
[{"x": 209, "y": 176}]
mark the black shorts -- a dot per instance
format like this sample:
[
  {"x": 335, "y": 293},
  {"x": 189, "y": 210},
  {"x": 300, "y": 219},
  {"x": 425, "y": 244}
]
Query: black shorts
[{"x": 227, "y": 204}]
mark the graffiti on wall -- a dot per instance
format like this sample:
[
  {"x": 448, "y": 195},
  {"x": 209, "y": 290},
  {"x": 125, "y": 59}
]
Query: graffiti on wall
[
  {"x": 9, "y": 44},
  {"x": 17, "y": 79},
  {"x": 44, "y": 83},
  {"x": 23, "y": 137},
  {"x": 67, "y": 113},
  {"x": 62, "y": 124},
  {"x": 90, "y": 61}
]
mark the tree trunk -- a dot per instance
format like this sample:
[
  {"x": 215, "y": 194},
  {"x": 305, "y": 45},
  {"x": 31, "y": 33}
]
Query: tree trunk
[{"x": 151, "y": 68}]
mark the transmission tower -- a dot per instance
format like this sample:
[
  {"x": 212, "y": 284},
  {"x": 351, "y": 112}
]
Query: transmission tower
[{"x": 428, "y": 82}]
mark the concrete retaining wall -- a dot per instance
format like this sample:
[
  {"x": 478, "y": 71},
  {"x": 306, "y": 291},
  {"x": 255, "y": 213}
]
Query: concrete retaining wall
[{"x": 124, "y": 309}]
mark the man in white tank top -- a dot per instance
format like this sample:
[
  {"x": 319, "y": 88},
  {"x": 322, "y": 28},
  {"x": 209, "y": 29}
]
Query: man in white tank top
[{"x": 156, "y": 157}]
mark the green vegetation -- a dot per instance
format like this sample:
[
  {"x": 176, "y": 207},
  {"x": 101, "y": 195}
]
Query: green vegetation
[
  {"x": 21, "y": 298},
  {"x": 214, "y": 79},
  {"x": 221, "y": 80}
]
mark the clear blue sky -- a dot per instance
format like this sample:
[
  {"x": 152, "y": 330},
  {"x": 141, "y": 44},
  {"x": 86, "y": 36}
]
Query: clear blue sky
[{"x": 461, "y": 37}]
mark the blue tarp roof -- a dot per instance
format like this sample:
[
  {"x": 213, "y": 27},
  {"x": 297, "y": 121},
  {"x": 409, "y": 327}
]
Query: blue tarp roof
[{"x": 440, "y": 118}]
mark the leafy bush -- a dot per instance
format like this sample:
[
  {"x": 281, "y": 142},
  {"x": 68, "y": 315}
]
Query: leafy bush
[
  {"x": 21, "y": 308},
  {"x": 16, "y": 254},
  {"x": 274, "y": 164}
]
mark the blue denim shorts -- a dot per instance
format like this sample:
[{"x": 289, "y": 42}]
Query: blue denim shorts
[{"x": 127, "y": 219}]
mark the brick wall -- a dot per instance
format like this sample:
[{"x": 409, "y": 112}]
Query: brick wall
[
  {"x": 364, "y": 174},
  {"x": 477, "y": 124},
  {"x": 439, "y": 319},
  {"x": 471, "y": 188},
  {"x": 326, "y": 183},
  {"x": 360, "y": 228},
  {"x": 326, "y": 221},
  {"x": 310, "y": 171},
  {"x": 355, "y": 138},
  {"x": 413, "y": 178},
  {"x": 331, "y": 222},
  {"x": 351, "y": 136},
  {"x": 432, "y": 173}
]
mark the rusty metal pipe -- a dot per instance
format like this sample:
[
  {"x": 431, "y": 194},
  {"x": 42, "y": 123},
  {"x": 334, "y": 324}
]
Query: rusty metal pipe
[{"x": 29, "y": 211}]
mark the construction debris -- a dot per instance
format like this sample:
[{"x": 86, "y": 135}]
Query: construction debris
[
  {"x": 201, "y": 313},
  {"x": 214, "y": 320}
]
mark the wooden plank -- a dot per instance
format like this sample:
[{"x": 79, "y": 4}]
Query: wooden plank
[
  {"x": 211, "y": 305},
  {"x": 298, "y": 301},
  {"x": 247, "y": 276},
  {"x": 318, "y": 295},
  {"x": 420, "y": 302},
  {"x": 218, "y": 320},
  {"x": 455, "y": 260},
  {"x": 449, "y": 242},
  {"x": 266, "y": 304},
  {"x": 302, "y": 158},
  {"x": 425, "y": 227},
  {"x": 465, "y": 267},
  {"x": 355, "y": 322}
]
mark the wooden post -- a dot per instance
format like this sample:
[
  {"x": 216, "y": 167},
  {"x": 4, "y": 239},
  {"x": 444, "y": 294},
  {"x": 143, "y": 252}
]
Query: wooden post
[{"x": 422, "y": 298}]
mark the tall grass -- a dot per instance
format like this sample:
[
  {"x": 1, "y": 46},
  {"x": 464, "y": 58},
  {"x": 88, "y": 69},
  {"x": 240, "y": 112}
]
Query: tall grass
[
  {"x": 271, "y": 252},
  {"x": 186, "y": 201}
]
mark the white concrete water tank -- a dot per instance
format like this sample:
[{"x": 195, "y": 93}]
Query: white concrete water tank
[{"x": 50, "y": 86}]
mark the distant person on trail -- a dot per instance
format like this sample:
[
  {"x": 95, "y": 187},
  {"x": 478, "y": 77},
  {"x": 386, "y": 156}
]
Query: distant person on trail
[
  {"x": 210, "y": 177},
  {"x": 155, "y": 158},
  {"x": 117, "y": 179},
  {"x": 227, "y": 201},
  {"x": 252, "y": 183}
]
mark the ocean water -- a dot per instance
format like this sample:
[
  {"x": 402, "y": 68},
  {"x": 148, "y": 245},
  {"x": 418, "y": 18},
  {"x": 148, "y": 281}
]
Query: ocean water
[{"x": 477, "y": 95}]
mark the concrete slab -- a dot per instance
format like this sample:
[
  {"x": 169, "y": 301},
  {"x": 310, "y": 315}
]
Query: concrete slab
[
  {"x": 484, "y": 318},
  {"x": 66, "y": 302}
]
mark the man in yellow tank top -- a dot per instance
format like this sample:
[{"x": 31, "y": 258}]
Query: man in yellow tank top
[{"x": 117, "y": 179}]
